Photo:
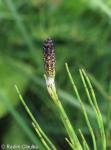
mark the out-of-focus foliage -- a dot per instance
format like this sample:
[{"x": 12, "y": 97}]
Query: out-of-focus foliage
[
  {"x": 81, "y": 30},
  {"x": 9, "y": 76}
]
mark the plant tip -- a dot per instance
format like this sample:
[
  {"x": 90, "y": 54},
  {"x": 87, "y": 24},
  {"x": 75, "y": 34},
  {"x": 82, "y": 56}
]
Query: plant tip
[{"x": 49, "y": 58}]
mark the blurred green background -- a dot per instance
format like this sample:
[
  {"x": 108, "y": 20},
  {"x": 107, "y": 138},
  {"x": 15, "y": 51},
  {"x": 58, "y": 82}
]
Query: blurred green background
[{"x": 81, "y": 30}]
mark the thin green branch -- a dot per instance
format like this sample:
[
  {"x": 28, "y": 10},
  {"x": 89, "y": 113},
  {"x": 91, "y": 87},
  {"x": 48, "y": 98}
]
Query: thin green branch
[
  {"x": 96, "y": 108},
  {"x": 40, "y": 136},
  {"x": 83, "y": 108},
  {"x": 86, "y": 147},
  {"x": 70, "y": 144},
  {"x": 34, "y": 120}
]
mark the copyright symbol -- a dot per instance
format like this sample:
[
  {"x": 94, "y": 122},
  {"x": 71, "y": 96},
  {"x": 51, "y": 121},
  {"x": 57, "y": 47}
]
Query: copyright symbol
[{"x": 2, "y": 146}]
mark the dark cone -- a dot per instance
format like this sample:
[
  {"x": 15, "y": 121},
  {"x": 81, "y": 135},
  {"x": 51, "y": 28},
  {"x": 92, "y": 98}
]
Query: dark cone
[{"x": 49, "y": 58}]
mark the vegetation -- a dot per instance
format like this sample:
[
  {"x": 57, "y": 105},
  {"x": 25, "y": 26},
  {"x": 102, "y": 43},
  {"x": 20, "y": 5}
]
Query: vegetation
[{"x": 81, "y": 33}]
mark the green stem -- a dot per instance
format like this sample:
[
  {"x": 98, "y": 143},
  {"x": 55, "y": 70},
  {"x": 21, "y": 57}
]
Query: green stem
[
  {"x": 95, "y": 107},
  {"x": 41, "y": 138},
  {"x": 72, "y": 135},
  {"x": 83, "y": 108},
  {"x": 34, "y": 120}
]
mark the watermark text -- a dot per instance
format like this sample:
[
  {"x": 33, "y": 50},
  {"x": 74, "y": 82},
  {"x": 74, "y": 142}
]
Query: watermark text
[{"x": 19, "y": 147}]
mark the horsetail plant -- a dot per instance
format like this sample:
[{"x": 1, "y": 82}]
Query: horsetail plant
[
  {"x": 72, "y": 139},
  {"x": 49, "y": 61}
]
